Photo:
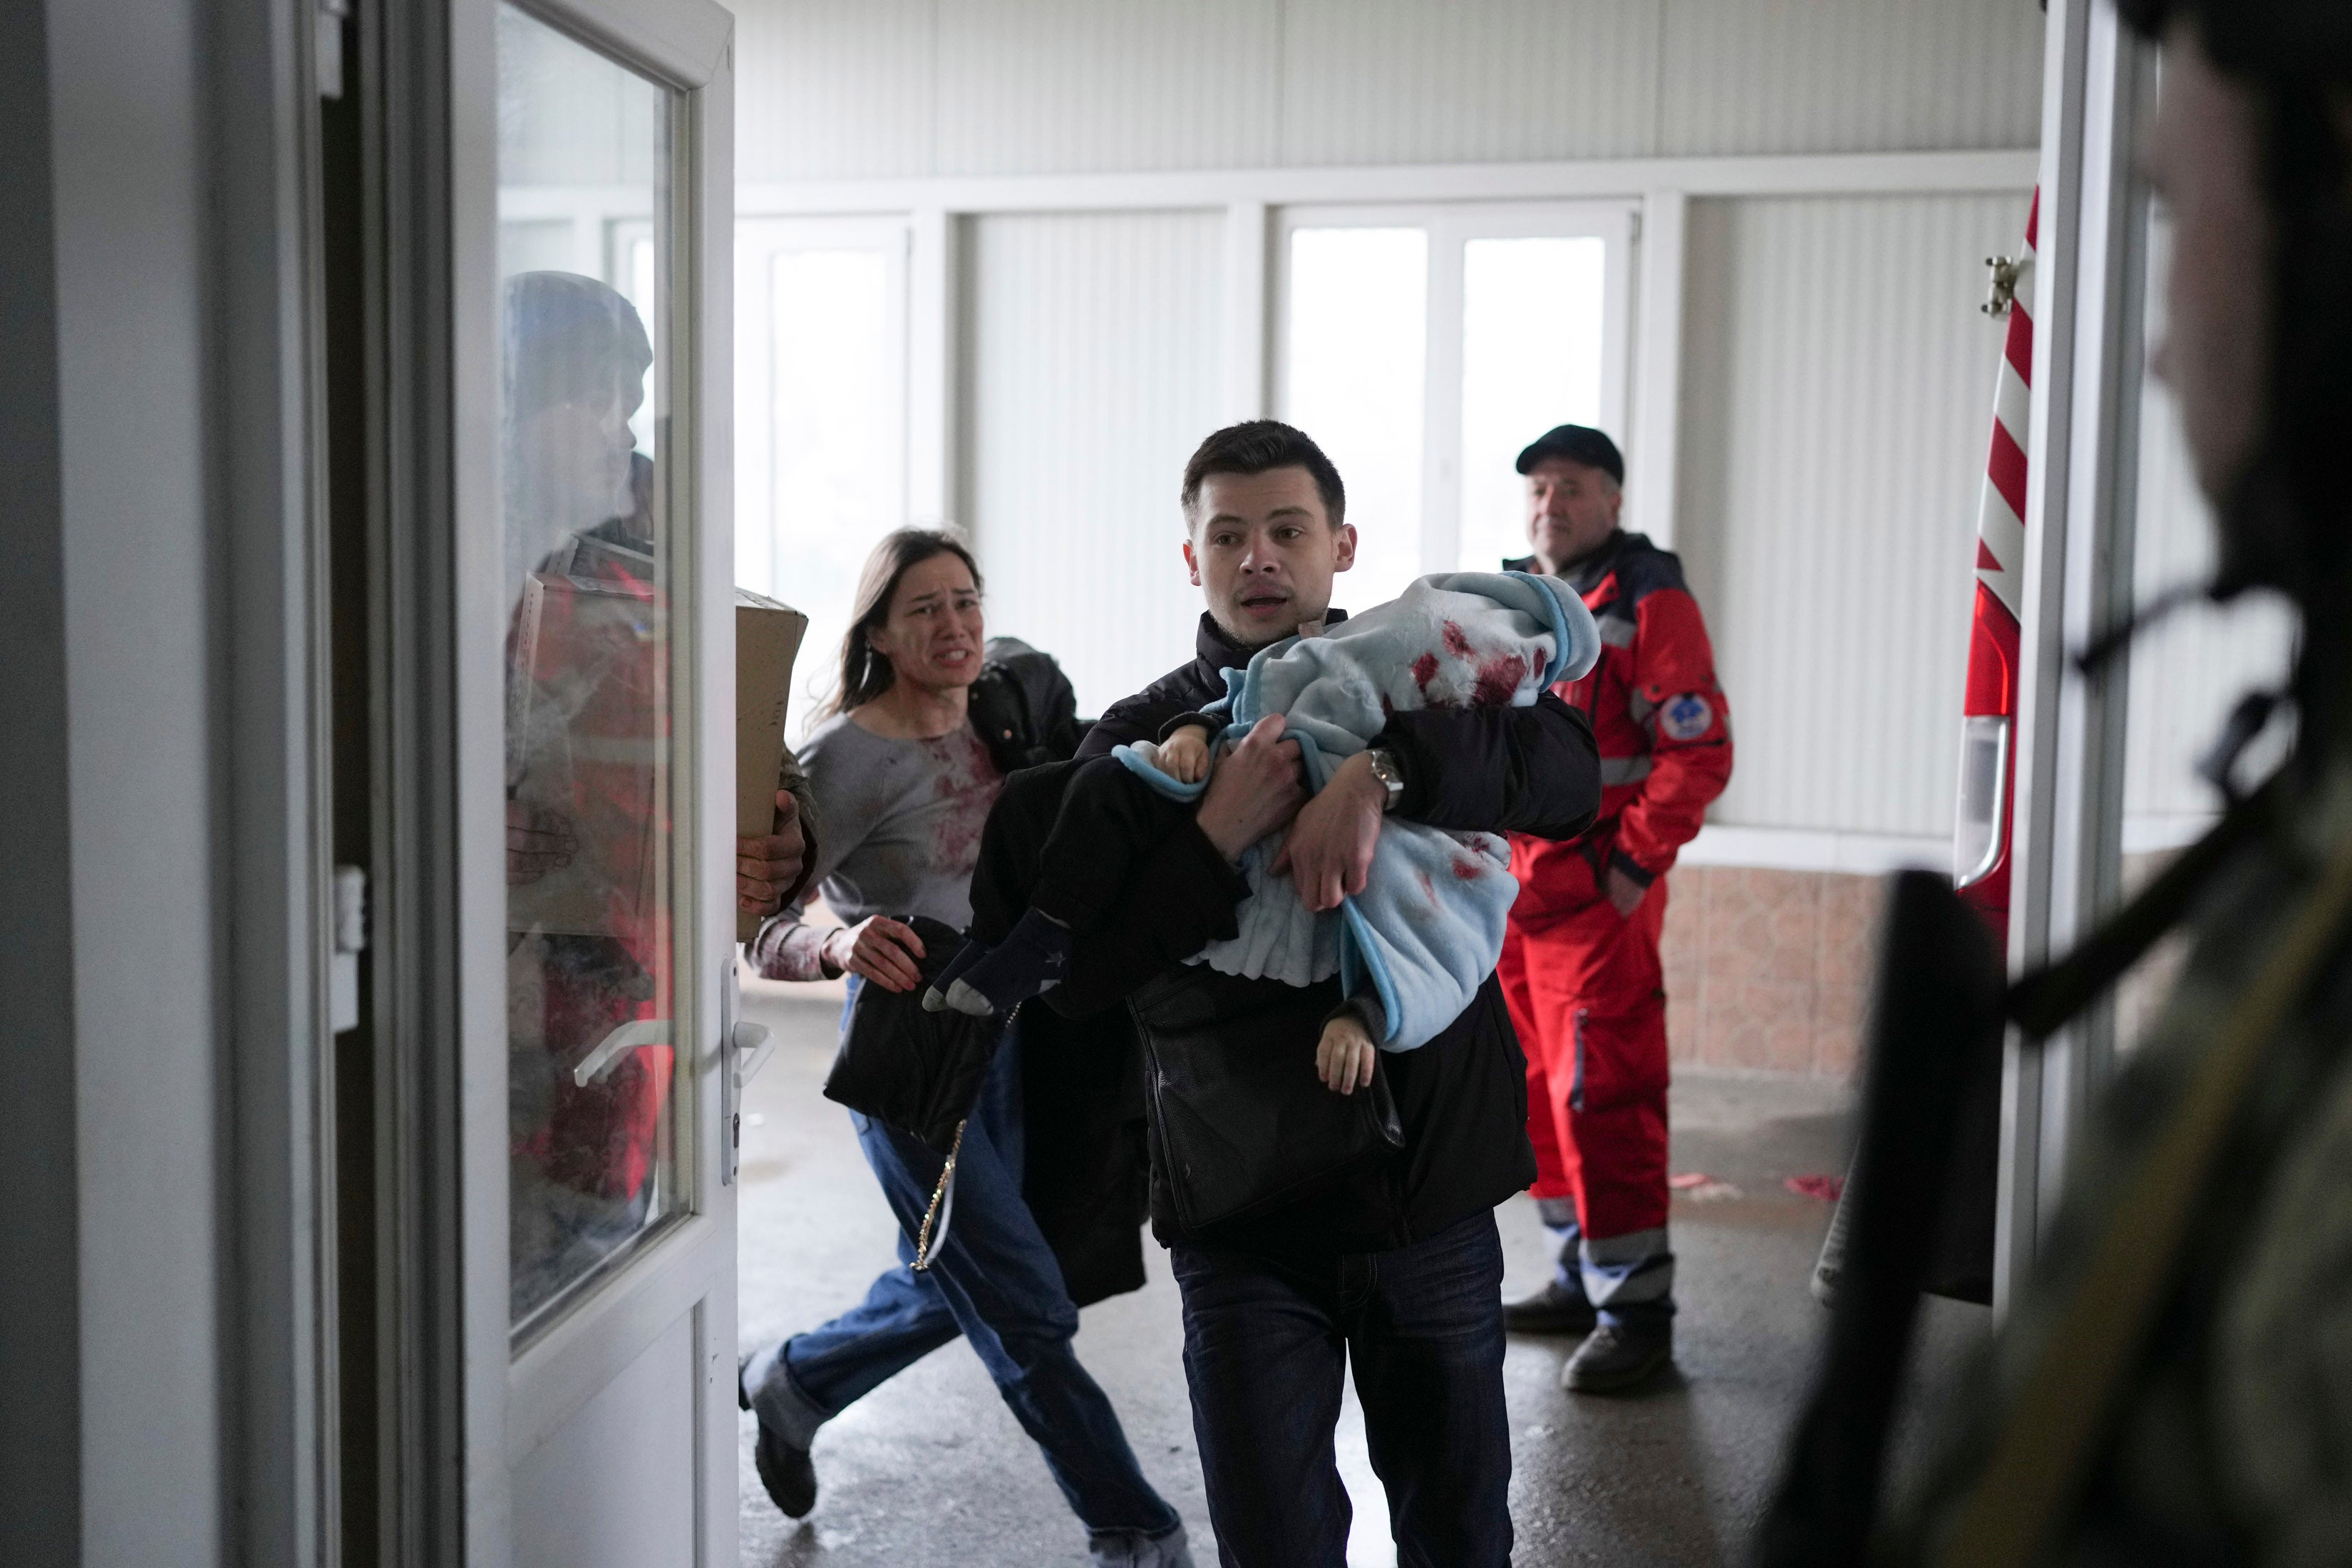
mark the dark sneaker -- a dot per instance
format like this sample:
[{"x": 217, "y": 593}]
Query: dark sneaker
[
  {"x": 1554, "y": 1309},
  {"x": 1617, "y": 1357},
  {"x": 784, "y": 1470}
]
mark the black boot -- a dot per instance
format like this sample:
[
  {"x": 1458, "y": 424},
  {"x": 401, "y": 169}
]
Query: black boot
[
  {"x": 784, "y": 1468},
  {"x": 1557, "y": 1308}
]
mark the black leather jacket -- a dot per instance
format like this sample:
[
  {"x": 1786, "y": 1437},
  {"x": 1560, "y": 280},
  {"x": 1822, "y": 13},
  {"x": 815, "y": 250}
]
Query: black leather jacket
[{"x": 1462, "y": 1097}]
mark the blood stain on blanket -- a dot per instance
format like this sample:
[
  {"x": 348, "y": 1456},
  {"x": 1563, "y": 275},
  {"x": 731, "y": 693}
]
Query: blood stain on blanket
[
  {"x": 1469, "y": 870},
  {"x": 1455, "y": 642},
  {"x": 1424, "y": 670},
  {"x": 1498, "y": 680}
]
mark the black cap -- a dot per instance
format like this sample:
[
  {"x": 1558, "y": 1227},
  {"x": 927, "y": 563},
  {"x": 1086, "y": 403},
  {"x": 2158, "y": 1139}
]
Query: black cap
[{"x": 1579, "y": 444}]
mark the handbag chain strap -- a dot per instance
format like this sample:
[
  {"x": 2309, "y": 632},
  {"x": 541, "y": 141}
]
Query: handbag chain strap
[{"x": 938, "y": 1196}]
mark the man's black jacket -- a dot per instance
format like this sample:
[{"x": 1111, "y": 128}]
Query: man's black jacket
[{"x": 1462, "y": 1097}]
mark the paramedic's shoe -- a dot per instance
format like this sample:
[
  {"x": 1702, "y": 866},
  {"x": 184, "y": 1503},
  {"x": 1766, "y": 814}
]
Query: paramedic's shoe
[
  {"x": 1618, "y": 1357},
  {"x": 1133, "y": 1549},
  {"x": 785, "y": 1470},
  {"x": 1554, "y": 1309}
]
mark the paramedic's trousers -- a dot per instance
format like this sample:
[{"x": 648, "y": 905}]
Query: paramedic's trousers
[
  {"x": 1589, "y": 1002},
  {"x": 995, "y": 1283}
]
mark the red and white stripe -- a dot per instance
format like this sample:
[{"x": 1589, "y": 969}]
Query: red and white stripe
[{"x": 2000, "y": 519}]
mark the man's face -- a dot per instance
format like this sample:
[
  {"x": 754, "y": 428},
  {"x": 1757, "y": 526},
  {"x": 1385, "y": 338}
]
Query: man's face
[
  {"x": 2204, "y": 155},
  {"x": 1264, "y": 552},
  {"x": 1571, "y": 509}
]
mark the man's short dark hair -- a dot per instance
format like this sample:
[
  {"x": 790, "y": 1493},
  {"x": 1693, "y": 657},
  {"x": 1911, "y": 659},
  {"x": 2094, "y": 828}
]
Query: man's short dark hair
[{"x": 1259, "y": 446}]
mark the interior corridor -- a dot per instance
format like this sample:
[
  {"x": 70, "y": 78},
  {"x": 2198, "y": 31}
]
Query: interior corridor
[{"x": 931, "y": 1468}]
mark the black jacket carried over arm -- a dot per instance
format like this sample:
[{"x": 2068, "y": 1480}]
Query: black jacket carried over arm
[{"x": 1462, "y": 1097}]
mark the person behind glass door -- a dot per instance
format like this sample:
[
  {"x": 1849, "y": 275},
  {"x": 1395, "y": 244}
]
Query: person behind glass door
[
  {"x": 579, "y": 504},
  {"x": 905, "y": 784}
]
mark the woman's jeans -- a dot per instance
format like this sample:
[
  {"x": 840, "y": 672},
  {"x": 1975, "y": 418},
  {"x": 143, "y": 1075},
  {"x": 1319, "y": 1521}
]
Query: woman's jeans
[{"x": 994, "y": 1281}]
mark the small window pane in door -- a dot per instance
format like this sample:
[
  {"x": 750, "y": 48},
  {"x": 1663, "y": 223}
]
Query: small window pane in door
[
  {"x": 1356, "y": 363},
  {"x": 1532, "y": 317},
  {"x": 839, "y": 428},
  {"x": 593, "y": 561}
]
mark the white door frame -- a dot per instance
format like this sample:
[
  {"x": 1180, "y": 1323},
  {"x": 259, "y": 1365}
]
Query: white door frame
[{"x": 2081, "y": 522}]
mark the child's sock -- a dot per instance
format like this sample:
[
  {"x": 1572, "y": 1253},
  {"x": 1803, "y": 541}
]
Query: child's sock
[
  {"x": 1033, "y": 957},
  {"x": 935, "y": 1000}
]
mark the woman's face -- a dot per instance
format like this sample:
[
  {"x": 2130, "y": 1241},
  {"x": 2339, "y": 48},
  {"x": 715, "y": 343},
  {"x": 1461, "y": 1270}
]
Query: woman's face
[{"x": 933, "y": 635}]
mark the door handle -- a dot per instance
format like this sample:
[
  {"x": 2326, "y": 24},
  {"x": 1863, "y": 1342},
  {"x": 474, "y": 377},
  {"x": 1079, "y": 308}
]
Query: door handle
[
  {"x": 753, "y": 1046},
  {"x": 612, "y": 1048}
]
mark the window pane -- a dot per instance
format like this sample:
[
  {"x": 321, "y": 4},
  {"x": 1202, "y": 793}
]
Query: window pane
[
  {"x": 838, "y": 421},
  {"x": 1356, "y": 360},
  {"x": 591, "y": 762},
  {"x": 1531, "y": 334}
]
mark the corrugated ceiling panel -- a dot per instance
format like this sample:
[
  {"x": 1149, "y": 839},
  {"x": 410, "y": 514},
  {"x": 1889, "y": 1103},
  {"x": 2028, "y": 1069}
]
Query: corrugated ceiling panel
[
  {"x": 1838, "y": 399},
  {"x": 1039, "y": 86},
  {"x": 825, "y": 90},
  {"x": 1850, "y": 75},
  {"x": 1408, "y": 81},
  {"x": 1093, "y": 367}
]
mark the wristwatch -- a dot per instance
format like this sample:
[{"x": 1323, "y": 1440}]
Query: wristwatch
[{"x": 1392, "y": 777}]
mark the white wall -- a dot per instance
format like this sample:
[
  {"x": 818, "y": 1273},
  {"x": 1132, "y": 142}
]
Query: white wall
[
  {"x": 1093, "y": 366},
  {"x": 1836, "y": 377},
  {"x": 1837, "y": 401},
  {"x": 900, "y": 89}
]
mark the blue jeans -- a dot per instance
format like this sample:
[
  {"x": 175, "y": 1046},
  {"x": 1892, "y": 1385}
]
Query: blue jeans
[
  {"x": 994, "y": 1281},
  {"x": 1265, "y": 1341}
]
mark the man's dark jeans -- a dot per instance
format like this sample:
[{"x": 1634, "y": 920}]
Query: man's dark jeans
[{"x": 1265, "y": 1341}]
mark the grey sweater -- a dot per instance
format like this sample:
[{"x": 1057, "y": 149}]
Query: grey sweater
[{"x": 902, "y": 823}]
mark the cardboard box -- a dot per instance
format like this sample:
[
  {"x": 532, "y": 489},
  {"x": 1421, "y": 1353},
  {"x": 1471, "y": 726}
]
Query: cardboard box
[{"x": 767, "y": 640}]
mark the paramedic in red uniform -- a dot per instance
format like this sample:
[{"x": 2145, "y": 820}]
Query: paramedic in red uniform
[{"x": 1580, "y": 968}]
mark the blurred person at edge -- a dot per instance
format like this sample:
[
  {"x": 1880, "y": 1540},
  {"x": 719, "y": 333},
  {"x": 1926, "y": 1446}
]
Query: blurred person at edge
[
  {"x": 2219, "y": 1437},
  {"x": 1580, "y": 955},
  {"x": 905, "y": 784}
]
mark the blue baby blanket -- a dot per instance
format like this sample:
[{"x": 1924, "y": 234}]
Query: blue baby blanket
[{"x": 1427, "y": 929}]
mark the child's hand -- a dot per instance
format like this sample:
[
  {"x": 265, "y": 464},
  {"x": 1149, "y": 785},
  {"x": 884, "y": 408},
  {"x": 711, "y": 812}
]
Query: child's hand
[
  {"x": 1185, "y": 754},
  {"x": 1344, "y": 1059}
]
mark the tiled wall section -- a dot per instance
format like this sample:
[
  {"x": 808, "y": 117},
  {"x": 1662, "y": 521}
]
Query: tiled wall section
[{"x": 1767, "y": 970}]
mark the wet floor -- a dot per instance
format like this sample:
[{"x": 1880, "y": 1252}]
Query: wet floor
[{"x": 931, "y": 1468}]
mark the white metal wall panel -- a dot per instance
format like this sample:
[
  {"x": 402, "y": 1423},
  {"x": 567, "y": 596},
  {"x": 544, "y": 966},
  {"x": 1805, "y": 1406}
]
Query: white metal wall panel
[
  {"x": 1837, "y": 399},
  {"x": 1072, "y": 86},
  {"x": 1850, "y": 75},
  {"x": 1421, "y": 81},
  {"x": 1093, "y": 366},
  {"x": 832, "y": 90}
]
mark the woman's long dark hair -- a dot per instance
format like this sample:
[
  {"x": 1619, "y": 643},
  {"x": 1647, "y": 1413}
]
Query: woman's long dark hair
[{"x": 865, "y": 674}]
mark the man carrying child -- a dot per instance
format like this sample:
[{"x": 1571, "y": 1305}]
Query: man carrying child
[{"x": 1394, "y": 1261}]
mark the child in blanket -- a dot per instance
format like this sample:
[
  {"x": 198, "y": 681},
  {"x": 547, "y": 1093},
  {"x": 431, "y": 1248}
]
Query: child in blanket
[{"x": 1414, "y": 947}]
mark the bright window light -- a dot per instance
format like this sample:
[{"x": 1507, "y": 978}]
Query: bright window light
[
  {"x": 1355, "y": 362},
  {"x": 837, "y": 419},
  {"x": 1532, "y": 314}
]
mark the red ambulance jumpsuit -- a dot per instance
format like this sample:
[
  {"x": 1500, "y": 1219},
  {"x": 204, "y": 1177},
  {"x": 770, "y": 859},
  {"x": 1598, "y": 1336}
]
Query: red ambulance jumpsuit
[{"x": 1582, "y": 980}]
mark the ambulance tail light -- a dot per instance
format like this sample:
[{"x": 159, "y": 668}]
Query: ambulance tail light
[{"x": 1980, "y": 837}]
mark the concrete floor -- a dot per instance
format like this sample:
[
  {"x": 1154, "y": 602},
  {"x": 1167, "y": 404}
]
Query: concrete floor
[{"x": 930, "y": 1468}]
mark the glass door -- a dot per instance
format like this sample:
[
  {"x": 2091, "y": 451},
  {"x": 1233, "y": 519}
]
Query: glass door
[{"x": 591, "y": 215}]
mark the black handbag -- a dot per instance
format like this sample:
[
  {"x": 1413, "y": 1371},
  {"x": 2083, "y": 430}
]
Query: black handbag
[
  {"x": 917, "y": 1072},
  {"x": 1242, "y": 1123}
]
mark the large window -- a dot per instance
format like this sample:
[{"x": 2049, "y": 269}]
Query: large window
[
  {"x": 1423, "y": 347},
  {"x": 821, "y": 415}
]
